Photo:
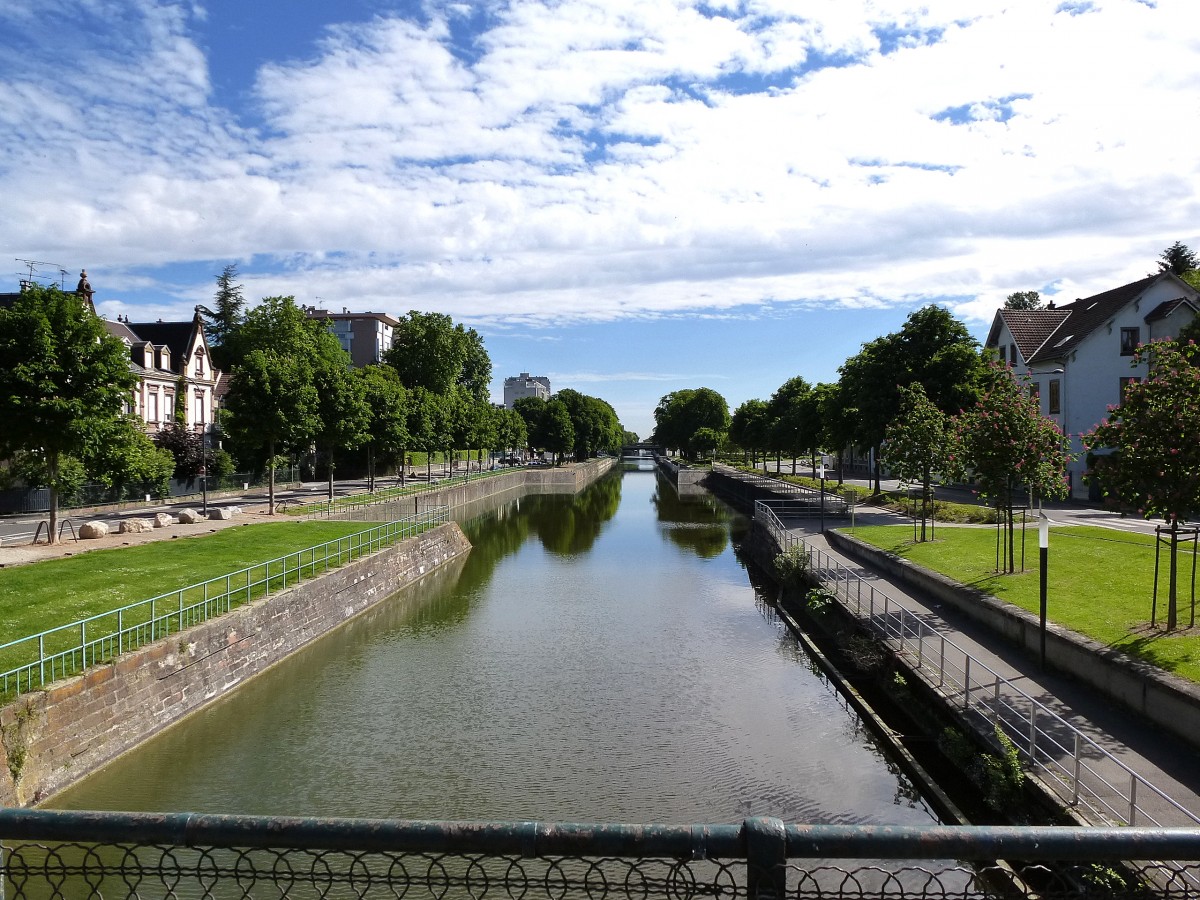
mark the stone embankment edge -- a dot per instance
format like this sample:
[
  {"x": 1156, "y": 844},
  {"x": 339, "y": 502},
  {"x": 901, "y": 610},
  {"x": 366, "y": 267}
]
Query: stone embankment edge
[
  {"x": 53, "y": 737},
  {"x": 1166, "y": 700},
  {"x": 570, "y": 479}
]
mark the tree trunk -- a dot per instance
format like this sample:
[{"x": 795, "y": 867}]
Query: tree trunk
[
  {"x": 331, "y": 476},
  {"x": 270, "y": 478},
  {"x": 1172, "y": 594},
  {"x": 52, "y": 473}
]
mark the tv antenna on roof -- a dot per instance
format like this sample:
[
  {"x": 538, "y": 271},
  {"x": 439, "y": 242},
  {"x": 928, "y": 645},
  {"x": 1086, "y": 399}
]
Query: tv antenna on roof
[{"x": 34, "y": 265}]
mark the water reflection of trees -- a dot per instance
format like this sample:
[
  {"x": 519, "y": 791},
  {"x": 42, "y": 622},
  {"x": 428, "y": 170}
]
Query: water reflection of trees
[
  {"x": 698, "y": 523},
  {"x": 570, "y": 526}
]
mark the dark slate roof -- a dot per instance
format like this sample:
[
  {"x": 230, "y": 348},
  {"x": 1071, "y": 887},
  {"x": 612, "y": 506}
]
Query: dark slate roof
[
  {"x": 175, "y": 335},
  {"x": 7, "y": 300},
  {"x": 1089, "y": 314}
]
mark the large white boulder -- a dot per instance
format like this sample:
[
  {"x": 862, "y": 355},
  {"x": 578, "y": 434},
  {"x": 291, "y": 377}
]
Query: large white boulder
[
  {"x": 163, "y": 520},
  {"x": 189, "y": 517},
  {"x": 91, "y": 530},
  {"x": 136, "y": 526},
  {"x": 220, "y": 512}
]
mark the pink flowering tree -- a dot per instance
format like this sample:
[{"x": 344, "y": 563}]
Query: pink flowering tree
[
  {"x": 916, "y": 447},
  {"x": 1147, "y": 452},
  {"x": 1009, "y": 444}
]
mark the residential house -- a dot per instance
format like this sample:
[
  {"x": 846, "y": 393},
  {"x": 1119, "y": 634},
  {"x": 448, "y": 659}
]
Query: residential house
[
  {"x": 365, "y": 336},
  {"x": 1079, "y": 356},
  {"x": 174, "y": 369}
]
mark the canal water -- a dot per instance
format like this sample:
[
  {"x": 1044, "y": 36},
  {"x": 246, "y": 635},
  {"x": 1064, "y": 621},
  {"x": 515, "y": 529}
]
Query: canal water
[{"x": 602, "y": 657}]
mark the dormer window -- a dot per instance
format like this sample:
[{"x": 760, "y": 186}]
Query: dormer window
[
  {"x": 164, "y": 359},
  {"x": 199, "y": 362}
]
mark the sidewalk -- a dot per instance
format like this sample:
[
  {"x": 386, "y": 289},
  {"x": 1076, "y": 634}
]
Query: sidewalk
[{"x": 1159, "y": 759}]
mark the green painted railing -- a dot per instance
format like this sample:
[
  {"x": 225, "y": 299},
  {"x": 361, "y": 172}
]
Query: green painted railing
[
  {"x": 101, "y": 854},
  {"x": 34, "y": 661}
]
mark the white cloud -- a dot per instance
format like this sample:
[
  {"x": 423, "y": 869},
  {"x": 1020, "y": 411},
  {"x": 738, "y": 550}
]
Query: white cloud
[{"x": 1020, "y": 148}]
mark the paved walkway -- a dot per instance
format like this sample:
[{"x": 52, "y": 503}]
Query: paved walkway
[{"x": 1157, "y": 757}]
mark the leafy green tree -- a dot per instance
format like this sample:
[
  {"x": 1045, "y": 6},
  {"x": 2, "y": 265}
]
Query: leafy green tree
[
  {"x": 273, "y": 406},
  {"x": 705, "y": 441},
  {"x": 681, "y": 414},
  {"x": 430, "y": 351},
  {"x": 224, "y": 317},
  {"x": 511, "y": 432},
  {"x": 917, "y": 446},
  {"x": 127, "y": 456},
  {"x": 387, "y": 406},
  {"x": 1154, "y": 439},
  {"x": 427, "y": 424},
  {"x": 342, "y": 411},
  {"x": 531, "y": 410},
  {"x": 1023, "y": 300},
  {"x": 594, "y": 422},
  {"x": 932, "y": 348},
  {"x": 1178, "y": 259},
  {"x": 1006, "y": 442},
  {"x": 795, "y": 419},
  {"x": 748, "y": 428},
  {"x": 555, "y": 432},
  {"x": 838, "y": 422},
  {"x": 63, "y": 382}
]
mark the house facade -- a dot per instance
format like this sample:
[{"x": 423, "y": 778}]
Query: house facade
[
  {"x": 1079, "y": 356},
  {"x": 174, "y": 369}
]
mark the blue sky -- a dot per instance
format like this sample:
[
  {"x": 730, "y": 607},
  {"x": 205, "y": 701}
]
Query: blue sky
[{"x": 627, "y": 196}]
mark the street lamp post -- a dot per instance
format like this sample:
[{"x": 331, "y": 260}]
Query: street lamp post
[
  {"x": 1044, "y": 554},
  {"x": 822, "y": 495}
]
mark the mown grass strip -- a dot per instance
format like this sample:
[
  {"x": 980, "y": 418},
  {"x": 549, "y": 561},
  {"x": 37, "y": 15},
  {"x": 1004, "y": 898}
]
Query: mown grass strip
[
  {"x": 1100, "y": 583},
  {"x": 43, "y": 595}
]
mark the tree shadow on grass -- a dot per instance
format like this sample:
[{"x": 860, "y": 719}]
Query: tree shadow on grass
[{"x": 1155, "y": 645}]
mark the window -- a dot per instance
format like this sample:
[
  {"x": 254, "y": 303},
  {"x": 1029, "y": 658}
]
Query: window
[
  {"x": 1130, "y": 338},
  {"x": 1126, "y": 382},
  {"x": 1012, "y": 354},
  {"x": 1055, "y": 397},
  {"x": 169, "y": 405},
  {"x": 199, "y": 363},
  {"x": 152, "y": 406},
  {"x": 200, "y": 417},
  {"x": 1003, "y": 352}
]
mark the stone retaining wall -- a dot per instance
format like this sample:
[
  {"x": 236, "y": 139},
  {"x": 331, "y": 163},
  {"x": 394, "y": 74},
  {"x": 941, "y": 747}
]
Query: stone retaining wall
[
  {"x": 569, "y": 479},
  {"x": 56, "y": 736},
  {"x": 1165, "y": 699}
]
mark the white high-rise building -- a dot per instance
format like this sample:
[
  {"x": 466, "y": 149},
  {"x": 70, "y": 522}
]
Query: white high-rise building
[{"x": 525, "y": 385}]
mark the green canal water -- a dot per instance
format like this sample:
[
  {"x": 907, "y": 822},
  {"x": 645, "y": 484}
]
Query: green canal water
[{"x": 604, "y": 657}]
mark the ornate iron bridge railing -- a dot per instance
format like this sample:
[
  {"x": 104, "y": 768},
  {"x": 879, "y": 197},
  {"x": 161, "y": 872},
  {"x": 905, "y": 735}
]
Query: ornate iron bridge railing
[{"x": 46, "y": 854}]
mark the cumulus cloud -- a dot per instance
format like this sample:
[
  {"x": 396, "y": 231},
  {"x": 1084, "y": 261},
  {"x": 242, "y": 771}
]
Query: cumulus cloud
[{"x": 595, "y": 160}]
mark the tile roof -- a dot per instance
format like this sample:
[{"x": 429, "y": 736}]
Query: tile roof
[
  {"x": 1167, "y": 307},
  {"x": 1031, "y": 327}
]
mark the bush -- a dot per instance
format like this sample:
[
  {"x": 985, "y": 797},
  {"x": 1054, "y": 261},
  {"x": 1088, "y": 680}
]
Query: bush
[{"x": 792, "y": 567}]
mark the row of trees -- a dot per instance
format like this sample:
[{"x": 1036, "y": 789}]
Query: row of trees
[
  {"x": 292, "y": 387},
  {"x": 64, "y": 383}
]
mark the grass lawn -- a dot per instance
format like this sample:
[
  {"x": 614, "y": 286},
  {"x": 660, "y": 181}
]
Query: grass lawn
[
  {"x": 43, "y": 595},
  {"x": 1100, "y": 583}
]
